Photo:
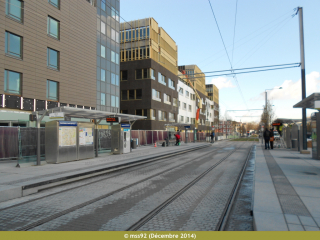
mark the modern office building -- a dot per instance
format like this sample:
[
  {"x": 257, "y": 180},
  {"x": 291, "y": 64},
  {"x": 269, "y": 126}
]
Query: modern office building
[
  {"x": 213, "y": 95},
  {"x": 58, "y": 53},
  {"x": 148, "y": 79}
]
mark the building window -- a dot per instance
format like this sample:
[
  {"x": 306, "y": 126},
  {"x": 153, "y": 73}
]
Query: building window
[
  {"x": 117, "y": 58},
  {"x": 161, "y": 79},
  {"x": 187, "y": 94},
  {"x": 103, "y": 28},
  {"x": 103, "y": 99},
  {"x": 124, "y": 111},
  {"x": 52, "y": 90},
  {"x": 12, "y": 81},
  {"x": 171, "y": 84},
  {"x": 113, "y": 56},
  {"x": 190, "y": 108},
  {"x": 181, "y": 91},
  {"x": 143, "y": 73},
  {"x": 175, "y": 102},
  {"x": 113, "y": 101},
  {"x": 181, "y": 119},
  {"x": 53, "y": 27},
  {"x": 103, "y": 5},
  {"x": 142, "y": 112},
  {"x": 171, "y": 117},
  {"x": 131, "y": 94},
  {"x": 166, "y": 98},
  {"x": 103, "y": 51},
  {"x": 14, "y": 9},
  {"x": 193, "y": 121},
  {"x": 156, "y": 95},
  {"x": 13, "y": 45},
  {"x": 52, "y": 58},
  {"x": 55, "y": 3},
  {"x": 184, "y": 106},
  {"x": 187, "y": 119},
  {"x": 162, "y": 116},
  {"x": 152, "y": 114},
  {"x": 124, "y": 75},
  {"x": 152, "y": 74},
  {"x": 103, "y": 75},
  {"x": 114, "y": 79},
  {"x": 113, "y": 34}
]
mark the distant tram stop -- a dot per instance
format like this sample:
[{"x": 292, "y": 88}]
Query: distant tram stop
[{"x": 67, "y": 140}]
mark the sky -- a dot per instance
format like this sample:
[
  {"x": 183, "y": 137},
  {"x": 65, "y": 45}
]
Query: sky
[{"x": 255, "y": 33}]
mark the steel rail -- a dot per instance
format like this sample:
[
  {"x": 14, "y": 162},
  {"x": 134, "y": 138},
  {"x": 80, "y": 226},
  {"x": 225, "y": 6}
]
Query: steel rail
[
  {"x": 66, "y": 211},
  {"x": 158, "y": 209},
  {"x": 225, "y": 216}
]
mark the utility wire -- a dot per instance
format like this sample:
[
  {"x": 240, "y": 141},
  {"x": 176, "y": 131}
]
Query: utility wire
[
  {"x": 234, "y": 29},
  {"x": 227, "y": 53}
]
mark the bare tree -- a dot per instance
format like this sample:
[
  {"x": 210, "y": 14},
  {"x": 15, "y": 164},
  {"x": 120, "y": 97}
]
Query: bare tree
[{"x": 268, "y": 115}]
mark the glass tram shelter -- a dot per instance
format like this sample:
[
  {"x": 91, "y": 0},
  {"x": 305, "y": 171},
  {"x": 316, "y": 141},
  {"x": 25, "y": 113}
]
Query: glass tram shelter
[
  {"x": 313, "y": 102},
  {"x": 68, "y": 140}
]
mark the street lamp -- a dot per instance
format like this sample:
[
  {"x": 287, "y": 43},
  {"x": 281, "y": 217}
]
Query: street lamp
[{"x": 266, "y": 106}]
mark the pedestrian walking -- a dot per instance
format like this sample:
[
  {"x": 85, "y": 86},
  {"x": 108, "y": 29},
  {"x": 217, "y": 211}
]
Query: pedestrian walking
[
  {"x": 271, "y": 138},
  {"x": 212, "y": 137},
  {"x": 266, "y": 136},
  {"x": 177, "y": 139}
]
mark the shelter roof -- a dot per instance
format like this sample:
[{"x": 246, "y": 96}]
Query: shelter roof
[
  {"x": 287, "y": 120},
  {"x": 312, "y": 101},
  {"x": 89, "y": 114}
]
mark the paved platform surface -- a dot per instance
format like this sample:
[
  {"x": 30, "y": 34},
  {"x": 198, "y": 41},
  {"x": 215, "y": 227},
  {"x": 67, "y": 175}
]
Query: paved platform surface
[
  {"x": 13, "y": 180},
  {"x": 286, "y": 191}
]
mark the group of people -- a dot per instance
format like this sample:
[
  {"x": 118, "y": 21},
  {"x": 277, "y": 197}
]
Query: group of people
[{"x": 268, "y": 136}]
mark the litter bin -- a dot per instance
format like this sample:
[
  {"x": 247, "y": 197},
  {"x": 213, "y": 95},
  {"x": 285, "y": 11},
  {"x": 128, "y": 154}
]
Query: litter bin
[
  {"x": 134, "y": 143},
  {"x": 294, "y": 143}
]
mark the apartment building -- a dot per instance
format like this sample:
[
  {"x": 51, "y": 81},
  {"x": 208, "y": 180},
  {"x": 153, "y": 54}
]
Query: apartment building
[
  {"x": 58, "y": 53},
  {"x": 148, "y": 79},
  {"x": 213, "y": 95},
  {"x": 225, "y": 127}
]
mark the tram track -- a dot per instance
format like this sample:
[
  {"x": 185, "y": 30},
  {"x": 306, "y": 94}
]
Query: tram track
[
  {"x": 66, "y": 211},
  {"x": 149, "y": 215}
]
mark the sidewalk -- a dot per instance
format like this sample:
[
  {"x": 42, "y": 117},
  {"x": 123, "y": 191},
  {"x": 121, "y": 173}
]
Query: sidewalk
[
  {"x": 286, "y": 191},
  {"x": 18, "y": 182}
]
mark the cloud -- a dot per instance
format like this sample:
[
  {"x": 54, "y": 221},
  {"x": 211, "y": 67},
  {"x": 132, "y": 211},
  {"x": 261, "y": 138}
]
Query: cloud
[
  {"x": 292, "y": 90},
  {"x": 221, "y": 82}
]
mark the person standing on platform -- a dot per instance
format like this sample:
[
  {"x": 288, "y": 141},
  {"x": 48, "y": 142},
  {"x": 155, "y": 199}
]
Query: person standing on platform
[
  {"x": 177, "y": 139},
  {"x": 271, "y": 138},
  {"x": 266, "y": 136},
  {"x": 212, "y": 137}
]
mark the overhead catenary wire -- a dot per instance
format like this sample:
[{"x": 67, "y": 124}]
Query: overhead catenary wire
[
  {"x": 234, "y": 30},
  {"x": 237, "y": 83}
]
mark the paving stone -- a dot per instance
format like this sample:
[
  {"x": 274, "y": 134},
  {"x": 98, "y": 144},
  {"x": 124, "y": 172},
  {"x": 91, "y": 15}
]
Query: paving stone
[
  {"x": 308, "y": 228},
  {"x": 295, "y": 227},
  {"x": 307, "y": 221},
  {"x": 292, "y": 219}
]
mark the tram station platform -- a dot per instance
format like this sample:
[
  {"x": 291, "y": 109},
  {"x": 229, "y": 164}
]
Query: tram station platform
[
  {"x": 18, "y": 182},
  {"x": 286, "y": 191}
]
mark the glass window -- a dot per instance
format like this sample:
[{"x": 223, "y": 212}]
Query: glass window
[
  {"x": 187, "y": 94},
  {"x": 117, "y": 16},
  {"x": 113, "y": 56},
  {"x": 184, "y": 106},
  {"x": 117, "y": 37},
  {"x": 53, "y": 27},
  {"x": 124, "y": 95},
  {"x": 117, "y": 80},
  {"x": 103, "y": 99},
  {"x": 171, "y": 84},
  {"x": 103, "y": 27},
  {"x": 113, "y": 101},
  {"x": 152, "y": 74},
  {"x": 12, "y": 82},
  {"x": 103, "y": 51},
  {"x": 113, "y": 34},
  {"x": 55, "y": 3},
  {"x": 113, "y": 79},
  {"x": 117, "y": 58},
  {"x": 155, "y": 94},
  {"x": 103, "y": 5},
  {"x": 124, "y": 75},
  {"x": 131, "y": 94},
  {"x": 113, "y": 12},
  {"x": 14, "y": 9},
  {"x": 181, "y": 91},
  {"x": 139, "y": 74},
  {"x": 117, "y": 102},
  {"x": 139, "y": 94},
  {"x": 13, "y": 45},
  {"x": 103, "y": 75},
  {"x": 52, "y": 90},
  {"x": 52, "y": 58},
  {"x": 139, "y": 112}
]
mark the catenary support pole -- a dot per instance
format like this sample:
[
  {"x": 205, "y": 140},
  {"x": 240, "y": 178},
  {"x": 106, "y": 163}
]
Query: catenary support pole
[{"x": 303, "y": 79}]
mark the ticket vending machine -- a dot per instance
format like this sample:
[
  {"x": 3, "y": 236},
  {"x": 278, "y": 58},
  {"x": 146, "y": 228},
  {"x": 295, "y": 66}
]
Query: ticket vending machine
[
  {"x": 120, "y": 138},
  {"x": 315, "y": 128}
]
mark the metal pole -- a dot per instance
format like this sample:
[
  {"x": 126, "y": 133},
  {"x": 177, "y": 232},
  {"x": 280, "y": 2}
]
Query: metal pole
[
  {"x": 38, "y": 140},
  {"x": 303, "y": 79}
]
